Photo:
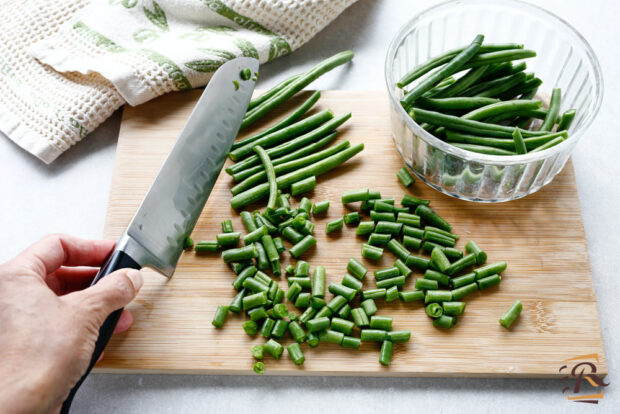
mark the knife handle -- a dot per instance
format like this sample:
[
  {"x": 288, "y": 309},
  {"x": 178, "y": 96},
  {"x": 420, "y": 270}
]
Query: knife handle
[{"x": 117, "y": 260}]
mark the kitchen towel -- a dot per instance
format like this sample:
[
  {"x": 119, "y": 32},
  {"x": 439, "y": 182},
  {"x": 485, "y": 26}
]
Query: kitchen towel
[{"x": 67, "y": 65}]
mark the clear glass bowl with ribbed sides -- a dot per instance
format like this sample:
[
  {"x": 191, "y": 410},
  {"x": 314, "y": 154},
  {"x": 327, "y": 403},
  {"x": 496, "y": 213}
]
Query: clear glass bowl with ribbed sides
[{"x": 564, "y": 59}]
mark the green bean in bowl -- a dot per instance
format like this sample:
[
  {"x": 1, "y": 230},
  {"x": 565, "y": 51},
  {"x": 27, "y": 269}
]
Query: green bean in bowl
[{"x": 485, "y": 114}]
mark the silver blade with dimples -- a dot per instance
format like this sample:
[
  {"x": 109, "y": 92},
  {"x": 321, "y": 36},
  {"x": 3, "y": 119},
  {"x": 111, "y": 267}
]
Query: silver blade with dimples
[{"x": 170, "y": 209}]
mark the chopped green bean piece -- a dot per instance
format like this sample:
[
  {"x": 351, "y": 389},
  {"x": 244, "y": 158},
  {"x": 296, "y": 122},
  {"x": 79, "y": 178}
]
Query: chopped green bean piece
[
  {"x": 331, "y": 336},
  {"x": 385, "y": 355},
  {"x": 302, "y": 246},
  {"x": 237, "y": 304},
  {"x": 434, "y": 310},
  {"x": 393, "y": 281},
  {"x": 303, "y": 186},
  {"x": 318, "y": 324},
  {"x": 279, "y": 329},
  {"x": 255, "y": 300},
  {"x": 374, "y": 294},
  {"x": 411, "y": 295},
  {"x": 292, "y": 292},
  {"x": 410, "y": 201},
  {"x": 461, "y": 292},
  {"x": 292, "y": 235},
  {"x": 336, "y": 303},
  {"x": 489, "y": 281},
  {"x": 453, "y": 308},
  {"x": 382, "y": 216},
  {"x": 369, "y": 307},
  {"x": 352, "y": 282},
  {"x": 426, "y": 284},
  {"x": 566, "y": 119},
  {"x": 431, "y": 217},
  {"x": 245, "y": 273},
  {"x": 511, "y": 314},
  {"x": 461, "y": 264},
  {"x": 220, "y": 316},
  {"x": 303, "y": 300},
  {"x": 417, "y": 262},
  {"x": 318, "y": 303},
  {"x": 398, "y": 249},
  {"x": 275, "y": 349},
  {"x": 365, "y": 227},
  {"x": 388, "y": 227},
  {"x": 399, "y": 336},
  {"x": 463, "y": 280},
  {"x": 405, "y": 177},
  {"x": 391, "y": 294},
  {"x": 304, "y": 282},
  {"x": 381, "y": 322},
  {"x": 188, "y": 242},
  {"x": 351, "y": 342},
  {"x": 308, "y": 228},
  {"x": 411, "y": 243},
  {"x": 356, "y": 268},
  {"x": 490, "y": 269},
  {"x": 444, "y": 322},
  {"x": 297, "y": 356},
  {"x": 338, "y": 289},
  {"x": 439, "y": 258},
  {"x": 259, "y": 368},
  {"x": 320, "y": 208},
  {"x": 351, "y": 219},
  {"x": 371, "y": 252},
  {"x": 250, "y": 327},
  {"x": 257, "y": 314},
  {"x": 408, "y": 219},
  {"x": 308, "y": 314},
  {"x": 403, "y": 268},
  {"x": 387, "y": 273},
  {"x": 313, "y": 340},
  {"x": 342, "y": 325},
  {"x": 239, "y": 254},
  {"x": 258, "y": 352},
  {"x": 360, "y": 318},
  {"x": 334, "y": 225},
  {"x": 352, "y": 196},
  {"x": 437, "y": 296},
  {"x": 376, "y": 239},
  {"x": 481, "y": 256},
  {"x": 267, "y": 327},
  {"x": 439, "y": 239},
  {"x": 382, "y": 207},
  {"x": 438, "y": 276},
  {"x": 289, "y": 269},
  {"x": 206, "y": 246},
  {"x": 228, "y": 239},
  {"x": 318, "y": 287},
  {"x": 374, "y": 335}
]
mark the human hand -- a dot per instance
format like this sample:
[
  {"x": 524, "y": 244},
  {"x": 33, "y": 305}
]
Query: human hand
[{"x": 50, "y": 318}]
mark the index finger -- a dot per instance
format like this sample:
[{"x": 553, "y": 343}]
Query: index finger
[{"x": 56, "y": 250}]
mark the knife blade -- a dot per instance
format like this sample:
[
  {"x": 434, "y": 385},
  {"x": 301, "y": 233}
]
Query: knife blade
[{"x": 172, "y": 205}]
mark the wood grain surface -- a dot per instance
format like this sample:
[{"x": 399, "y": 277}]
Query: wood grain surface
[{"x": 541, "y": 237}]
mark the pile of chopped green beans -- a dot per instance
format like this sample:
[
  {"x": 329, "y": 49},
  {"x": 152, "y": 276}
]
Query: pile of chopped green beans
[{"x": 479, "y": 99}]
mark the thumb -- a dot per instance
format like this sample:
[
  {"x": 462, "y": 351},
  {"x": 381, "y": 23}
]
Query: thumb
[{"x": 112, "y": 292}]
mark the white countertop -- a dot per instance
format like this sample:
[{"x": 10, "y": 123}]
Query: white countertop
[{"x": 70, "y": 196}]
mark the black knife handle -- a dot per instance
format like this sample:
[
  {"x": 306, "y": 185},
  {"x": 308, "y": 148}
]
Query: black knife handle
[{"x": 117, "y": 260}]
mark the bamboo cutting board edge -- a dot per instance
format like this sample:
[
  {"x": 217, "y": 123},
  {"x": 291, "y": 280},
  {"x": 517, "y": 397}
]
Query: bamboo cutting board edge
[{"x": 132, "y": 162}]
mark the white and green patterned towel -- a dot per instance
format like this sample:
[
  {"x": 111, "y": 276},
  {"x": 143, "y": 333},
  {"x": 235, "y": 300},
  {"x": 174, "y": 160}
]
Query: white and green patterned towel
[{"x": 67, "y": 65}]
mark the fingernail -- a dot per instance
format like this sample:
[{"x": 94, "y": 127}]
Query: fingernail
[{"x": 136, "y": 278}]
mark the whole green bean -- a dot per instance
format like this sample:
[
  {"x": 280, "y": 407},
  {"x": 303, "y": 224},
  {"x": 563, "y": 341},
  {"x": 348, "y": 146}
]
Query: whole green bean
[
  {"x": 457, "y": 103},
  {"x": 269, "y": 93},
  {"x": 293, "y": 144},
  {"x": 502, "y": 107},
  {"x": 464, "y": 82},
  {"x": 554, "y": 110},
  {"x": 241, "y": 173},
  {"x": 511, "y": 314},
  {"x": 284, "y": 181},
  {"x": 424, "y": 68},
  {"x": 289, "y": 166},
  {"x": 290, "y": 119},
  {"x": 282, "y": 135},
  {"x": 483, "y": 149},
  {"x": 451, "y": 67},
  {"x": 499, "y": 57},
  {"x": 549, "y": 144},
  {"x": 530, "y": 143},
  {"x": 298, "y": 84},
  {"x": 566, "y": 119},
  {"x": 467, "y": 125}
]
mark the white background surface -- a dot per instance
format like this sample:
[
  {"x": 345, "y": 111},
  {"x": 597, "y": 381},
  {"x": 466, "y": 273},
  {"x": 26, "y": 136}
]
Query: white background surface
[{"x": 70, "y": 196}]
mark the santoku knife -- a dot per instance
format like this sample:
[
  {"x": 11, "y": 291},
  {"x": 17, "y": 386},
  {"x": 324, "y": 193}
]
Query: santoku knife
[{"x": 171, "y": 207}]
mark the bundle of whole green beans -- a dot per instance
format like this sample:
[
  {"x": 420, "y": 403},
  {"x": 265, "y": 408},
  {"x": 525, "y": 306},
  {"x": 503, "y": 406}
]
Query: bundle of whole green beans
[{"x": 478, "y": 99}]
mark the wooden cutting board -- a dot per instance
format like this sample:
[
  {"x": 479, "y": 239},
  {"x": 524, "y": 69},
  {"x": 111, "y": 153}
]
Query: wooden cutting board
[{"x": 541, "y": 237}]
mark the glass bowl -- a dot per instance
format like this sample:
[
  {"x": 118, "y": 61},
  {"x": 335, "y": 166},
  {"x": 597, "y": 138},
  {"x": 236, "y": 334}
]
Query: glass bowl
[{"x": 565, "y": 60}]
